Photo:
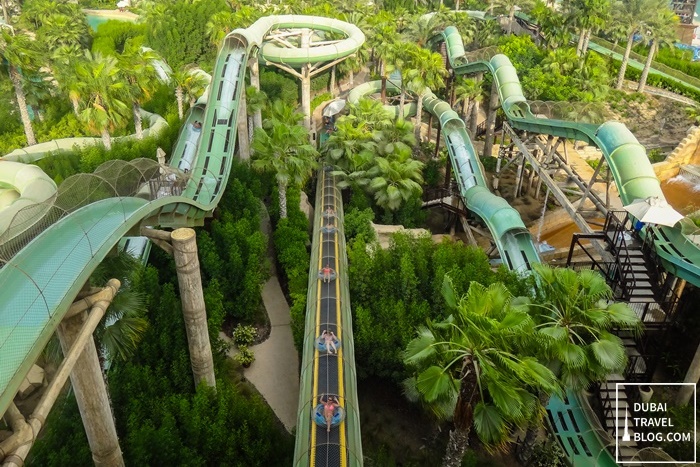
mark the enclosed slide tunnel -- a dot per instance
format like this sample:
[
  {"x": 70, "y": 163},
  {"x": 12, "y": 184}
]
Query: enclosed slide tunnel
[{"x": 328, "y": 363}]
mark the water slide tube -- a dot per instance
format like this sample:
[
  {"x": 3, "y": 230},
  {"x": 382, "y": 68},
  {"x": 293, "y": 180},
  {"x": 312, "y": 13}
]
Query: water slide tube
[
  {"x": 627, "y": 159},
  {"x": 46, "y": 275},
  {"x": 511, "y": 237}
]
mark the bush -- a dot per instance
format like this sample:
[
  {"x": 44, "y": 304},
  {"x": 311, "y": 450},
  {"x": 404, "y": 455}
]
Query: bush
[
  {"x": 393, "y": 291},
  {"x": 548, "y": 454},
  {"x": 358, "y": 223},
  {"x": 278, "y": 86},
  {"x": 244, "y": 356},
  {"x": 243, "y": 336}
]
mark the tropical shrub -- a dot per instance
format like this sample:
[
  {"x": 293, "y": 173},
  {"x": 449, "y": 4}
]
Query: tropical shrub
[
  {"x": 244, "y": 335},
  {"x": 244, "y": 356}
]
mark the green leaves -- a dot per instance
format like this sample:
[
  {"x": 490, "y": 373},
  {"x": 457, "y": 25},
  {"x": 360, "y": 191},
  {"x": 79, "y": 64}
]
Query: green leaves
[
  {"x": 420, "y": 348},
  {"x": 490, "y": 424},
  {"x": 433, "y": 383}
]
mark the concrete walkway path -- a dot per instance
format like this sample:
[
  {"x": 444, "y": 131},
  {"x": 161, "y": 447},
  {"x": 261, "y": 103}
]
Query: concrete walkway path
[{"x": 275, "y": 371}]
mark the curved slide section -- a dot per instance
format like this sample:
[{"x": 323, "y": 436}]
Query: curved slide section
[
  {"x": 156, "y": 124},
  {"x": 627, "y": 159},
  {"x": 46, "y": 275},
  {"x": 511, "y": 237}
]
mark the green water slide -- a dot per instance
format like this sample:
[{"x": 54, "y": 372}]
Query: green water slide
[
  {"x": 39, "y": 282},
  {"x": 627, "y": 159},
  {"x": 511, "y": 237}
]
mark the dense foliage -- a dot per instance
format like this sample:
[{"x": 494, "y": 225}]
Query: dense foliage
[
  {"x": 154, "y": 404},
  {"x": 395, "y": 290}
]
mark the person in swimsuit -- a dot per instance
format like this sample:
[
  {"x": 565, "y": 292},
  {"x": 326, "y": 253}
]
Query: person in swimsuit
[
  {"x": 330, "y": 212},
  {"x": 329, "y": 340},
  {"x": 327, "y": 273},
  {"x": 329, "y": 406}
]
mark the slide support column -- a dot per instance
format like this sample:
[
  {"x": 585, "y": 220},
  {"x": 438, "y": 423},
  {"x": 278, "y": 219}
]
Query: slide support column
[
  {"x": 491, "y": 120},
  {"x": 91, "y": 393},
  {"x": 190, "y": 282},
  {"x": 243, "y": 142},
  {"x": 306, "y": 82},
  {"x": 255, "y": 82}
]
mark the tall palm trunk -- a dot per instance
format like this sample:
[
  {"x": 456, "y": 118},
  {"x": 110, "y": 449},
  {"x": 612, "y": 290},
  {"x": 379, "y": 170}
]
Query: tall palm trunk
[
  {"x": 75, "y": 102},
  {"x": 466, "y": 104},
  {"x": 457, "y": 5},
  {"x": 527, "y": 446},
  {"x": 647, "y": 66},
  {"x": 106, "y": 139},
  {"x": 179, "y": 95},
  {"x": 5, "y": 13},
  {"x": 511, "y": 18},
  {"x": 138, "y": 121},
  {"x": 332, "y": 86},
  {"x": 419, "y": 114},
  {"x": 382, "y": 73},
  {"x": 282, "y": 192},
  {"x": 581, "y": 38},
  {"x": 251, "y": 128},
  {"x": 474, "y": 118},
  {"x": 586, "y": 40},
  {"x": 463, "y": 417},
  {"x": 22, "y": 104},
  {"x": 625, "y": 60},
  {"x": 351, "y": 78}
]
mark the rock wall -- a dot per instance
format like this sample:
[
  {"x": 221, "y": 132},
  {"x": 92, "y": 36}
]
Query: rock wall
[{"x": 687, "y": 152}]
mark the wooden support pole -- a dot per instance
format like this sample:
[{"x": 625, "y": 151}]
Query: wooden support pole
[
  {"x": 88, "y": 383},
  {"x": 437, "y": 141},
  {"x": 192, "y": 296}
]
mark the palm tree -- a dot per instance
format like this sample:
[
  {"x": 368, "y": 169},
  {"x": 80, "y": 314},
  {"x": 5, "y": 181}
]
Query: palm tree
[
  {"x": 659, "y": 31},
  {"x": 349, "y": 139},
  {"x": 394, "y": 135},
  {"x": 395, "y": 179},
  {"x": 354, "y": 63},
  {"x": 370, "y": 114},
  {"x": 189, "y": 85},
  {"x": 20, "y": 52},
  {"x": 281, "y": 112},
  {"x": 589, "y": 16},
  {"x": 574, "y": 315},
  {"x": 509, "y": 6},
  {"x": 101, "y": 93},
  {"x": 62, "y": 30},
  {"x": 120, "y": 331},
  {"x": 428, "y": 74},
  {"x": 466, "y": 92},
  {"x": 220, "y": 24},
  {"x": 421, "y": 30},
  {"x": 632, "y": 15},
  {"x": 383, "y": 40},
  {"x": 136, "y": 66},
  {"x": 554, "y": 26},
  {"x": 401, "y": 59},
  {"x": 284, "y": 150},
  {"x": 477, "y": 367}
]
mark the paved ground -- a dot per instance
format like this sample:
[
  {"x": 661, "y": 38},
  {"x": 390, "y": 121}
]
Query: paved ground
[{"x": 275, "y": 371}]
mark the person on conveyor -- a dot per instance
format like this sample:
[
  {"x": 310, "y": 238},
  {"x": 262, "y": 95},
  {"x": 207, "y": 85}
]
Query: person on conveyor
[
  {"x": 329, "y": 407},
  {"x": 330, "y": 212},
  {"x": 197, "y": 125},
  {"x": 329, "y": 340},
  {"x": 327, "y": 271}
]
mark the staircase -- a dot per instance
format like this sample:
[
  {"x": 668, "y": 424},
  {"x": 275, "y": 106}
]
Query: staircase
[{"x": 617, "y": 416}]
